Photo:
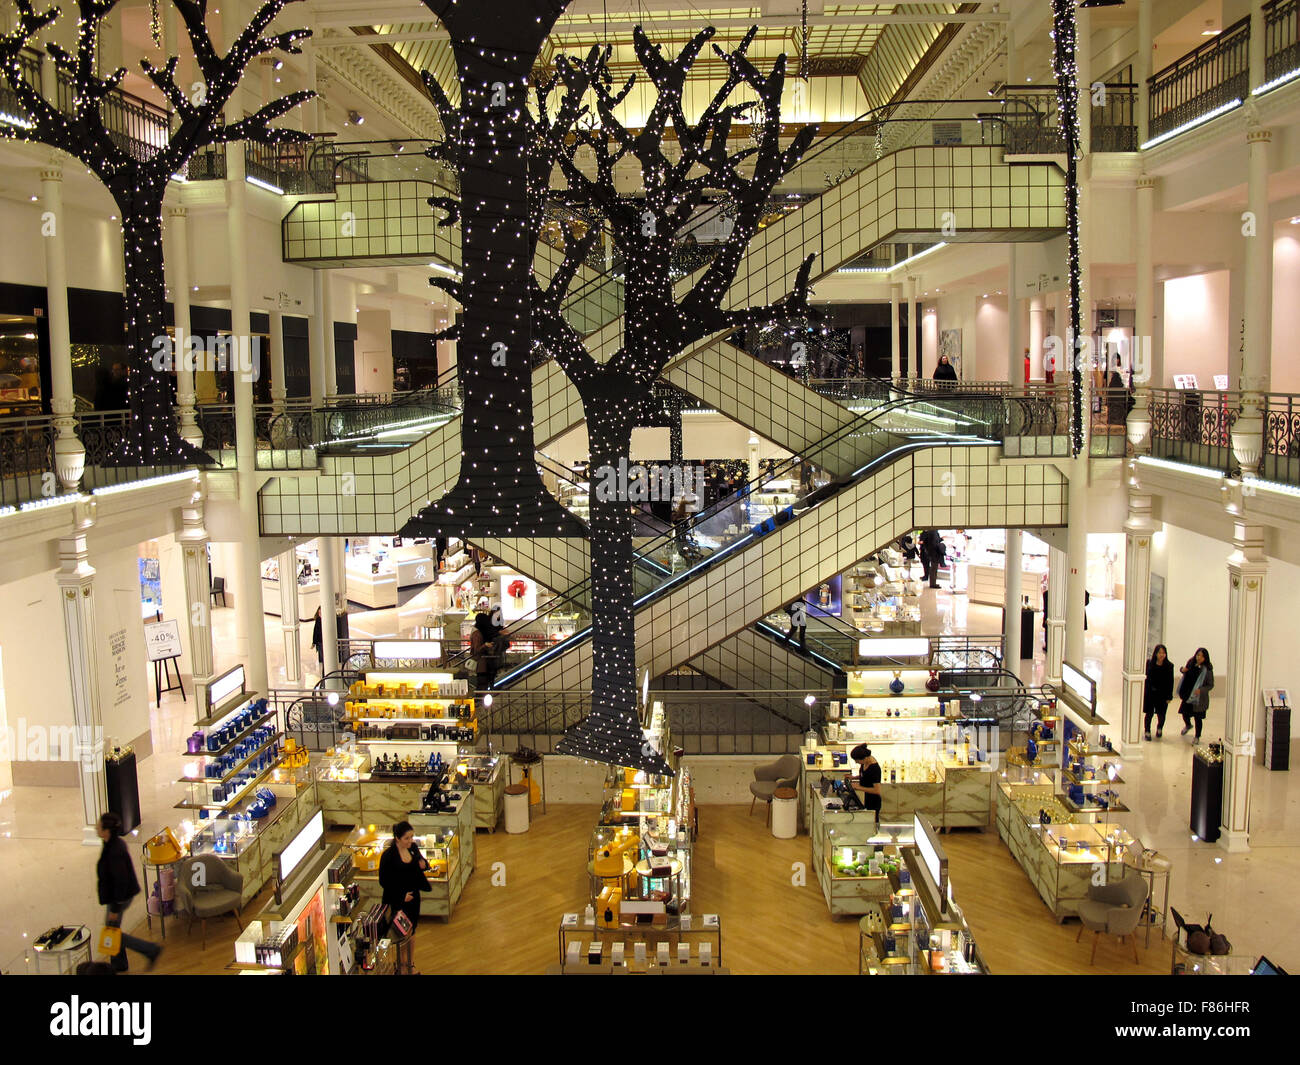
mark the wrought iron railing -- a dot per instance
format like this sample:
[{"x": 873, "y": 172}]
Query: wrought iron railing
[
  {"x": 1194, "y": 427},
  {"x": 1114, "y": 119},
  {"x": 1281, "y": 461},
  {"x": 1030, "y": 115},
  {"x": 1281, "y": 38},
  {"x": 1205, "y": 79}
]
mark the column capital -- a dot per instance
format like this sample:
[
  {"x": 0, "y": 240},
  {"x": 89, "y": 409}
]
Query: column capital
[
  {"x": 1258, "y": 134},
  {"x": 1248, "y": 550},
  {"x": 52, "y": 171},
  {"x": 177, "y": 211},
  {"x": 1146, "y": 183}
]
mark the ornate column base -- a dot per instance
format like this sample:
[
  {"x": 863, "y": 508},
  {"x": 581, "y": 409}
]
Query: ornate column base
[{"x": 1234, "y": 842}]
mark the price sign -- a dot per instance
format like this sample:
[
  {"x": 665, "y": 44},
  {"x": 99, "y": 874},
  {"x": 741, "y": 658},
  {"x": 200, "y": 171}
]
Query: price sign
[{"x": 163, "y": 640}]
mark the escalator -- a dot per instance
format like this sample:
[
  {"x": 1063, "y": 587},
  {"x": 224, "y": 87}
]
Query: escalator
[
  {"x": 876, "y": 204},
  {"x": 733, "y": 573}
]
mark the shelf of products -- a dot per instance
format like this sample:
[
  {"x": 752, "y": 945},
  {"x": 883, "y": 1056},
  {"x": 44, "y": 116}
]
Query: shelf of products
[
  {"x": 308, "y": 588},
  {"x": 854, "y": 857}
]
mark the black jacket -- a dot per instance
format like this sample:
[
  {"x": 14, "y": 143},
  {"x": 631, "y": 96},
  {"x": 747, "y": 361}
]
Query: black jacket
[
  {"x": 397, "y": 877},
  {"x": 932, "y": 544},
  {"x": 945, "y": 372},
  {"x": 1202, "y": 701},
  {"x": 116, "y": 872},
  {"x": 1160, "y": 680}
]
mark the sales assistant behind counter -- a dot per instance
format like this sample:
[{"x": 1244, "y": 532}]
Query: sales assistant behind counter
[{"x": 868, "y": 782}]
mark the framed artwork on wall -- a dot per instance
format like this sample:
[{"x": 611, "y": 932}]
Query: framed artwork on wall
[{"x": 950, "y": 345}]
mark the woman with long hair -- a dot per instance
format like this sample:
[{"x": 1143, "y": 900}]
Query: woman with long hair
[
  {"x": 1159, "y": 689},
  {"x": 1194, "y": 690},
  {"x": 402, "y": 879}
]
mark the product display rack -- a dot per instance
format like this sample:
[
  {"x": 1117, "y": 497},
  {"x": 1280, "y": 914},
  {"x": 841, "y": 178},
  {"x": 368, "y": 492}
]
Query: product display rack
[
  {"x": 673, "y": 933},
  {"x": 1061, "y": 857},
  {"x": 853, "y": 857}
]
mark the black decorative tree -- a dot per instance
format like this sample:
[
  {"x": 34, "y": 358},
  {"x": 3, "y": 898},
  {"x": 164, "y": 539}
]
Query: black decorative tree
[
  {"x": 1064, "y": 64},
  {"x": 486, "y": 140},
  {"x": 136, "y": 175},
  {"x": 660, "y": 319}
]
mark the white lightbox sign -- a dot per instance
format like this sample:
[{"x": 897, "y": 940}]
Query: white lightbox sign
[
  {"x": 225, "y": 686},
  {"x": 301, "y": 845},
  {"x": 1079, "y": 684},
  {"x": 419, "y": 650},
  {"x": 895, "y": 647},
  {"x": 936, "y": 861}
]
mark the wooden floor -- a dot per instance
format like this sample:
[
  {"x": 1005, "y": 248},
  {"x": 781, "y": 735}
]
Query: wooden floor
[{"x": 770, "y": 924}]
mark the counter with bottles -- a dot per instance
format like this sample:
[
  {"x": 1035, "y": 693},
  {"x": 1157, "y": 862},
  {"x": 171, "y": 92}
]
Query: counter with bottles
[
  {"x": 487, "y": 775},
  {"x": 441, "y": 847},
  {"x": 249, "y": 838},
  {"x": 1061, "y": 857},
  {"x": 308, "y": 590}
]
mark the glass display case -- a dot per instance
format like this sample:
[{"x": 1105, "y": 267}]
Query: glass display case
[{"x": 441, "y": 847}]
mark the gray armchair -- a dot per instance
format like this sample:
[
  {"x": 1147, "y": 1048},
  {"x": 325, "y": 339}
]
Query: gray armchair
[
  {"x": 783, "y": 773},
  {"x": 1116, "y": 909},
  {"x": 208, "y": 887}
]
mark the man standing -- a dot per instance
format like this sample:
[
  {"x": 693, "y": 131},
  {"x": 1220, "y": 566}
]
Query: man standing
[
  {"x": 798, "y": 612},
  {"x": 933, "y": 553}
]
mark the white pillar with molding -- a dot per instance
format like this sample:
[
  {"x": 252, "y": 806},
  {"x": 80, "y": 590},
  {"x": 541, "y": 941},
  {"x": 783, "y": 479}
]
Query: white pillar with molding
[
  {"x": 1012, "y": 603},
  {"x": 179, "y": 261},
  {"x": 1138, "y": 532},
  {"x": 69, "y": 452},
  {"x": 895, "y": 351},
  {"x": 76, "y": 580},
  {"x": 913, "y": 341},
  {"x": 1057, "y": 594},
  {"x": 250, "y": 620},
  {"x": 1247, "y": 568},
  {"x": 193, "y": 540},
  {"x": 289, "y": 621}
]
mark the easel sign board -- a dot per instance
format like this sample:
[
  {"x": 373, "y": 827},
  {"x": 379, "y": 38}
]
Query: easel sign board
[{"x": 163, "y": 640}]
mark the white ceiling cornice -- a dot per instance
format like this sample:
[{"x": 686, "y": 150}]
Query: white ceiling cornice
[{"x": 357, "y": 65}]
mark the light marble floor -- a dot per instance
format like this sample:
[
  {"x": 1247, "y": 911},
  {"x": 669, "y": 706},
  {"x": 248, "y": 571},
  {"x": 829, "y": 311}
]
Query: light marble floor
[{"x": 51, "y": 875}]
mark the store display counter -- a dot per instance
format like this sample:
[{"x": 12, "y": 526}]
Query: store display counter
[
  {"x": 854, "y": 856},
  {"x": 1061, "y": 858},
  {"x": 988, "y": 584},
  {"x": 370, "y": 589},
  {"x": 442, "y": 847}
]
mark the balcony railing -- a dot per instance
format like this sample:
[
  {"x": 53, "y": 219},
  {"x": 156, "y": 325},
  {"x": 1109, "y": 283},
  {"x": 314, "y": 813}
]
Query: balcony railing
[
  {"x": 1114, "y": 120},
  {"x": 27, "y": 470},
  {"x": 1202, "y": 81},
  {"x": 1281, "y": 38},
  {"x": 1194, "y": 427}
]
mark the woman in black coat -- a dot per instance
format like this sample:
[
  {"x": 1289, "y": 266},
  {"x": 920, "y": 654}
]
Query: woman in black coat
[
  {"x": 1159, "y": 689},
  {"x": 1194, "y": 690},
  {"x": 118, "y": 885},
  {"x": 401, "y": 877},
  {"x": 945, "y": 371}
]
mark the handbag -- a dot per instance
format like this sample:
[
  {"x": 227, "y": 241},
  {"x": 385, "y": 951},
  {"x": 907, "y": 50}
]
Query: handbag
[
  {"x": 164, "y": 848},
  {"x": 110, "y": 941},
  {"x": 403, "y": 924}
]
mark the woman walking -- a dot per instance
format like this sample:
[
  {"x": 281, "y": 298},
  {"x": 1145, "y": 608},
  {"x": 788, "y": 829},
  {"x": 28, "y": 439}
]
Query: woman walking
[
  {"x": 402, "y": 879},
  {"x": 1194, "y": 690},
  {"x": 118, "y": 885},
  {"x": 1159, "y": 689}
]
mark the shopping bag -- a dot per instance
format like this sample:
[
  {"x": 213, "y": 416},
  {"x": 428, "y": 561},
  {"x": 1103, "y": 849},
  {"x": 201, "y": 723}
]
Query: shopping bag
[{"x": 110, "y": 941}]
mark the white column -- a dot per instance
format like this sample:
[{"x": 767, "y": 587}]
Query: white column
[
  {"x": 1012, "y": 604},
  {"x": 1138, "y": 530},
  {"x": 1077, "y": 564},
  {"x": 317, "y": 330},
  {"x": 1247, "y": 568},
  {"x": 1037, "y": 327},
  {"x": 331, "y": 362},
  {"x": 1015, "y": 346},
  {"x": 1142, "y": 70},
  {"x": 250, "y": 621},
  {"x": 76, "y": 581},
  {"x": 913, "y": 342},
  {"x": 1256, "y": 47},
  {"x": 278, "y": 389},
  {"x": 179, "y": 261},
  {"x": 69, "y": 453},
  {"x": 289, "y": 616},
  {"x": 193, "y": 540},
  {"x": 1083, "y": 61},
  {"x": 1145, "y": 369},
  {"x": 895, "y": 353},
  {"x": 1248, "y": 432},
  {"x": 1057, "y": 593},
  {"x": 328, "y": 547}
]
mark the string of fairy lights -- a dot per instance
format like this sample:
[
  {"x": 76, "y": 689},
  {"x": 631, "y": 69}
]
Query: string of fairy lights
[
  {"x": 138, "y": 185},
  {"x": 1065, "y": 67}
]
